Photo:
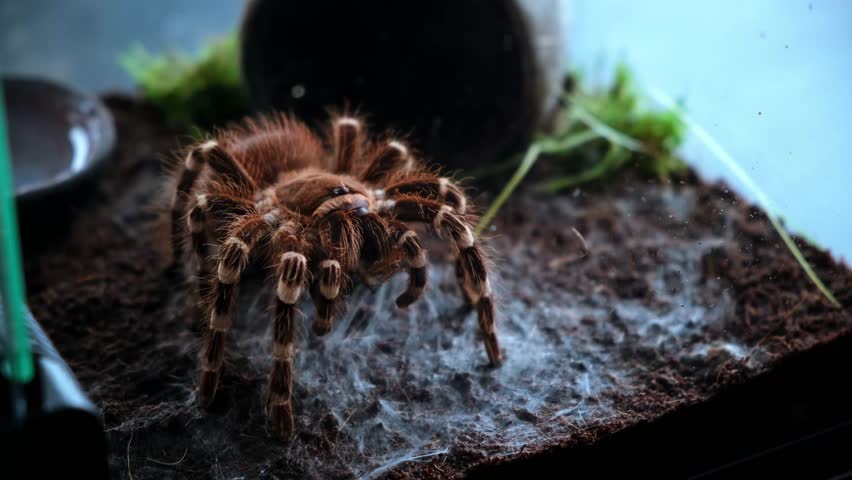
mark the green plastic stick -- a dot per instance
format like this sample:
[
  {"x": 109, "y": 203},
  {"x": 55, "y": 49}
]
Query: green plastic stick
[{"x": 19, "y": 368}]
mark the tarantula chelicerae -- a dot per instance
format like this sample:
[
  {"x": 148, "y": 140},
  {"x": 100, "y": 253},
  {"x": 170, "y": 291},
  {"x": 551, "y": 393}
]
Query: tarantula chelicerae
[{"x": 319, "y": 212}]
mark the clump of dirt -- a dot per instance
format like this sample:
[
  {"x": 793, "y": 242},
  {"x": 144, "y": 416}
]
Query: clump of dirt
[{"x": 679, "y": 291}]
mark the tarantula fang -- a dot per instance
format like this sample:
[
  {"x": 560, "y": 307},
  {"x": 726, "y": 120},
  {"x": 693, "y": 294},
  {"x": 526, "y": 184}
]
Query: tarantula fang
[{"x": 319, "y": 211}]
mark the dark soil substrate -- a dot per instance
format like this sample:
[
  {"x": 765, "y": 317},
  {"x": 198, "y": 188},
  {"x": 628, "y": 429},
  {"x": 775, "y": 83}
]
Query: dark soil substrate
[{"x": 685, "y": 290}]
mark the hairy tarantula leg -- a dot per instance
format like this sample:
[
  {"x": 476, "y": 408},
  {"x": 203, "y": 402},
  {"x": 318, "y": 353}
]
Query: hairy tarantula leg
[
  {"x": 477, "y": 290},
  {"x": 348, "y": 141},
  {"x": 415, "y": 257},
  {"x": 227, "y": 167},
  {"x": 341, "y": 239},
  {"x": 325, "y": 294},
  {"x": 221, "y": 163},
  {"x": 197, "y": 223},
  {"x": 207, "y": 206},
  {"x": 469, "y": 303},
  {"x": 390, "y": 158},
  {"x": 193, "y": 165},
  {"x": 216, "y": 206},
  {"x": 470, "y": 259},
  {"x": 233, "y": 258},
  {"x": 375, "y": 248},
  {"x": 430, "y": 186},
  {"x": 292, "y": 272}
]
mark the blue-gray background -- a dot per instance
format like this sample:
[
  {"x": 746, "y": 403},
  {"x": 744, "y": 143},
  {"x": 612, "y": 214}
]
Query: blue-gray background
[{"x": 769, "y": 79}]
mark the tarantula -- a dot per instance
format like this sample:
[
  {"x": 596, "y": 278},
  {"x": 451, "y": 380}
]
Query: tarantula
[{"x": 320, "y": 212}]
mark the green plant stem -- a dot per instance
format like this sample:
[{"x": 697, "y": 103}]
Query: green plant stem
[
  {"x": 567, "y": 143},
  {"x": 529, "y": 160},
  {"x": 614, "y": 156},
  {"x": 492, "y": 170},
  {"x": 605, "y": 130},
  {"x": 800, "y": 257},
  {"x": 762, "y": 198},
  {"x": 548, "y": 146}
]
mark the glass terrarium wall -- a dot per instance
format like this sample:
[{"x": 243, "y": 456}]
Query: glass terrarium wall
[
  {"x": 768, "y": 81},
  {"x": 80, "y": 42}
]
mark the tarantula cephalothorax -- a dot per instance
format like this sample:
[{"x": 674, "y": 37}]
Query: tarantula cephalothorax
[{"x": 269, "y": 190}]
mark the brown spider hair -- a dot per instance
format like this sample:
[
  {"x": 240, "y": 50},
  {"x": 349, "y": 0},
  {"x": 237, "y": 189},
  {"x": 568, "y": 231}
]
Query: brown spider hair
[{"x": 320, "y": 212}]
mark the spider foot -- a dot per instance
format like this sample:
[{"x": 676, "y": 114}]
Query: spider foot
[
  {"x": 406, "y": 299},
  {"x": 207, "y": 387},
  {"x": 281, "y": 417},
  {"x": 485, "y": 312}
]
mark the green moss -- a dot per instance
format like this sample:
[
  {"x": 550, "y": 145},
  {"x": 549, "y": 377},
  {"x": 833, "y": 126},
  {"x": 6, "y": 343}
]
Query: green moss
[
  {"x": 203, "y": 91},
  {"x": 599, "y": 134},
  {"x": 635, "y": 136}
]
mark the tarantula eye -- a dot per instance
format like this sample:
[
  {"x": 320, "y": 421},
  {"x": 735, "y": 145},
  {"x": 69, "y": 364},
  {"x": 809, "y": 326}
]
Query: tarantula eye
[{"x": 341, "y": 190}]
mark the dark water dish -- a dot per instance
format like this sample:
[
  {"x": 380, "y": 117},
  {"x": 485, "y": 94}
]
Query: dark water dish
[{"x": 58, "y": 136}]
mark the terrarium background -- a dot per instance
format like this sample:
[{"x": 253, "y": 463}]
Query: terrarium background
[{"x": 767, "y": 79}]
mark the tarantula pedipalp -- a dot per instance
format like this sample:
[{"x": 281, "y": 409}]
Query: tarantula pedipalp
[{"x": 271, "y": 191}]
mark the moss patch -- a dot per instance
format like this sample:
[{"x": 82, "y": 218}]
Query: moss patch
[
  {"x": 201, "y": 91},
  {"x": 597, "y": 135}
]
